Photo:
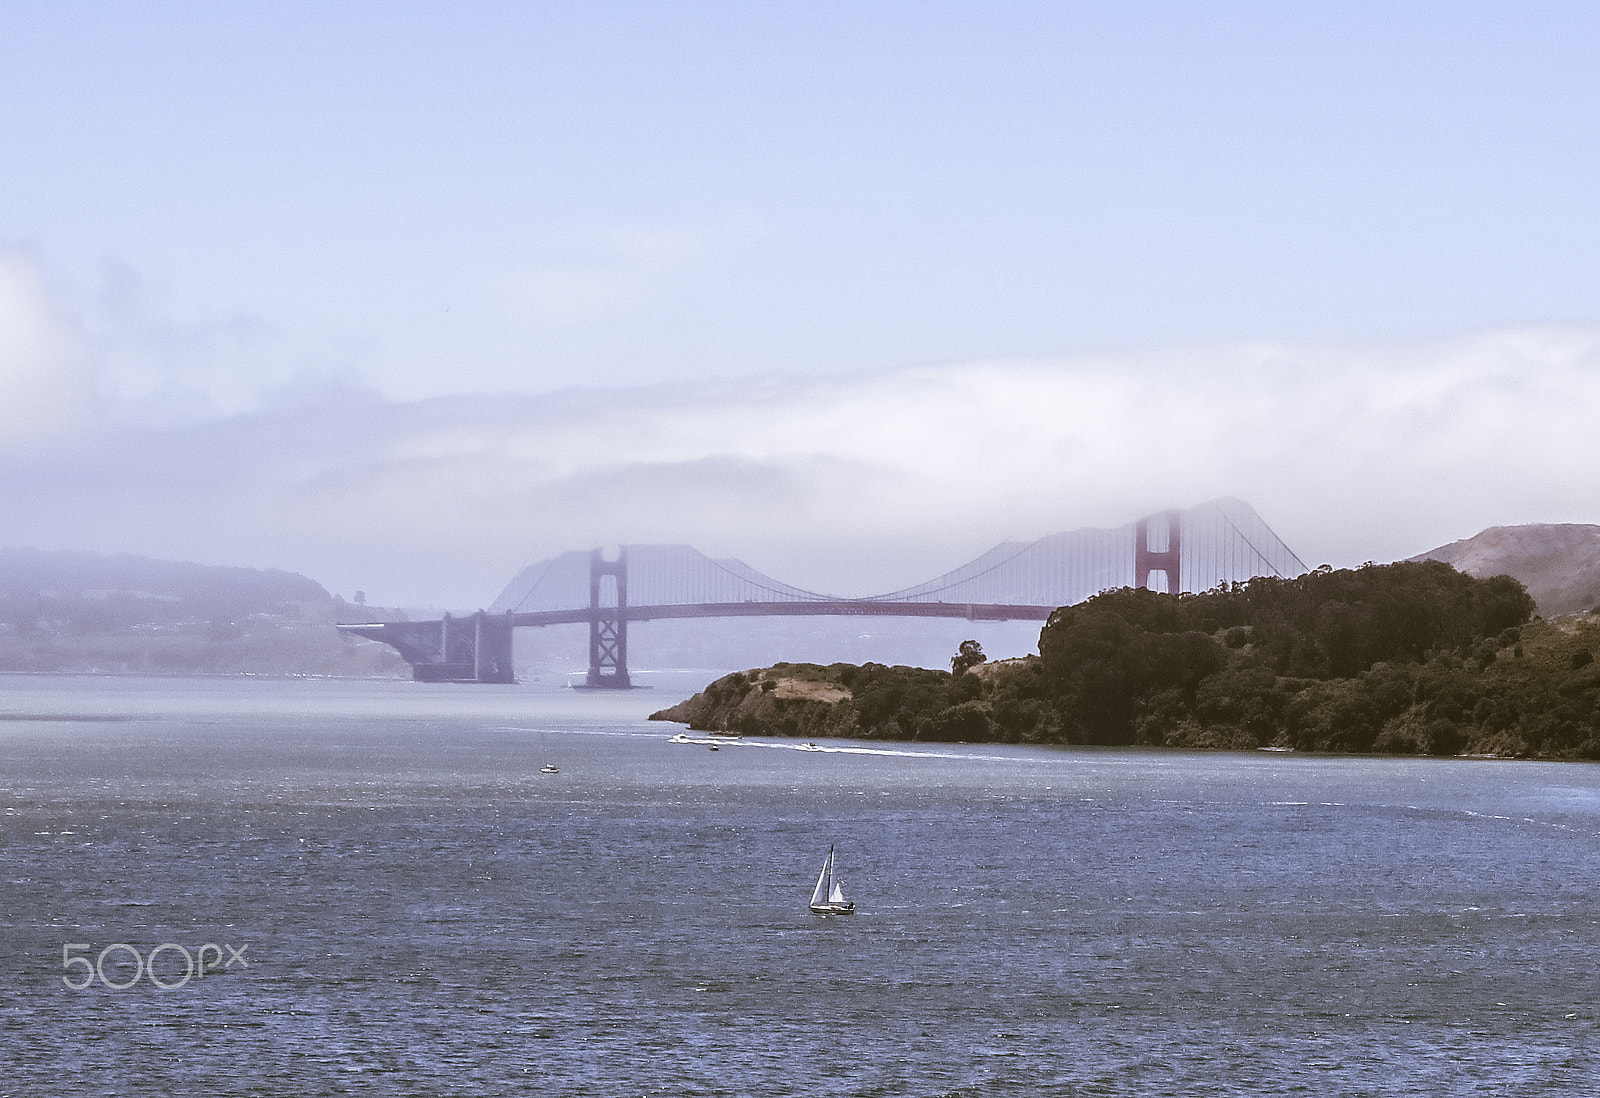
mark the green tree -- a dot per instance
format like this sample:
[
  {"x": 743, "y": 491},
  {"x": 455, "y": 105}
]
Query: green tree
[{"x": 968, "y": 656}]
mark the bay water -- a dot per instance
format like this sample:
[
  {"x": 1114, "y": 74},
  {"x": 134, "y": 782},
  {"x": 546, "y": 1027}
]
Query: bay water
[{"x": 398, "y": 900}]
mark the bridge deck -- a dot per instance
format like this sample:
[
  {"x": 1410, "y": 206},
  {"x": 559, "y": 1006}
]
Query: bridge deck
[
  {"x": 819, "y": 608},
  {"x": 477, "y": 648}
]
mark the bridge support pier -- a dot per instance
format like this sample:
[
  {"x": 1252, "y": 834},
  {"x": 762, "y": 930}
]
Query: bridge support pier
[
  {"x": 471, "y": 649},
  {"x": 608, "y": 622}
]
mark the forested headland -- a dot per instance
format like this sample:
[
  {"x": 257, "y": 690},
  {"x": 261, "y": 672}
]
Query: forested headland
[
  {"x": 83, "y": 613},
  {"x": 1407, "y": 658}
]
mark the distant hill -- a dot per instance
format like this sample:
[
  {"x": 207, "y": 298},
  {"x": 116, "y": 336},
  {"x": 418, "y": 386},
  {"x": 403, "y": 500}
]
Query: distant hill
[
  {"x": 1559, "y": 564},
  {"x": 83, "y": 612}
]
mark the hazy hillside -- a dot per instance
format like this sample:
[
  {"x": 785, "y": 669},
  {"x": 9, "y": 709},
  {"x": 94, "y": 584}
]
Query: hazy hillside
[
  {"x": 82, "y": 612},
  {"x": 1558, "y": 564}
]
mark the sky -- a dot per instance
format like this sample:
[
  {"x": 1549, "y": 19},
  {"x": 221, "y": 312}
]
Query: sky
[{"x": 405, "y": 296}]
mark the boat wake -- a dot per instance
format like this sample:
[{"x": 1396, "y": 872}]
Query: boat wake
[
  {"x": 724, "y": 740},
  {"x": 832, "y": 749}
]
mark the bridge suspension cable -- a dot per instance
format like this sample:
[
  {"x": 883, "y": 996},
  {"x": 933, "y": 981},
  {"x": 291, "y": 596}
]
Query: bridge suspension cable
[{"x": 1223, "y": 541}]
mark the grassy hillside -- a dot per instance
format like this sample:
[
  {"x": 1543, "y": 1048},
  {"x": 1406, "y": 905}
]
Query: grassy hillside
[{"x": 1558, "y": 564}]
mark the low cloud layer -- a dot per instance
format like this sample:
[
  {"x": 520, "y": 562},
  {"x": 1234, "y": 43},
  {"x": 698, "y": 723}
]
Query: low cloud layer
[{"x": 851, "y": 485}]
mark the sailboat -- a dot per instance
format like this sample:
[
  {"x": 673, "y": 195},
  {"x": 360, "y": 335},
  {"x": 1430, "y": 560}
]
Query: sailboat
[{"x": 828, "y": 897}]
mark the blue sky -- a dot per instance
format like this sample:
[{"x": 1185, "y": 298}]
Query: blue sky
[{"x": 219, "y": 221}]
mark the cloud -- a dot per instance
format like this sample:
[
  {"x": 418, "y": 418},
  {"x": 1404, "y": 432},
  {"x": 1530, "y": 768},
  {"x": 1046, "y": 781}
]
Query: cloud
[
  {"x": 152, "y": 363},
  {"x": 43, "y": 380},
  {"x": 75, "y": 353},
  {"x": 855, "y": 484}
]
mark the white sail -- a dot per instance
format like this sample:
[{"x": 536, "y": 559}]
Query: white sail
[
  {"x": 837, "y": 895},
  {"x": 824, "y": 879}
]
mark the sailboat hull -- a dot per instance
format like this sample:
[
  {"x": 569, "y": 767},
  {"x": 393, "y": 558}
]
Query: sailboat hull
[{"x": 846, "y": 908}]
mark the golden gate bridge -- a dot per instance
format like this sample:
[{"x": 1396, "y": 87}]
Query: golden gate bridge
[{"x": 1220, "y": 542}]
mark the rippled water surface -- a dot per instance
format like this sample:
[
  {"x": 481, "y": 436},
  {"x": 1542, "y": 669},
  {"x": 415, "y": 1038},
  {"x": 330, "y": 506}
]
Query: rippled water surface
[{"x": 422, "y": 911}]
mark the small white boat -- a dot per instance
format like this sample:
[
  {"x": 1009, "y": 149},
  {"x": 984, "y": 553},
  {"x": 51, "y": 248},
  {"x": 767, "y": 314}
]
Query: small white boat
[
  {"x": 828, "y": 897},
  {"x": 548, "y": 769}
]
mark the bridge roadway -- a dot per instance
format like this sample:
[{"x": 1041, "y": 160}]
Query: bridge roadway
[
  {"x": 971, "y": 611},
  {"x": 477, "y": 648}
]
